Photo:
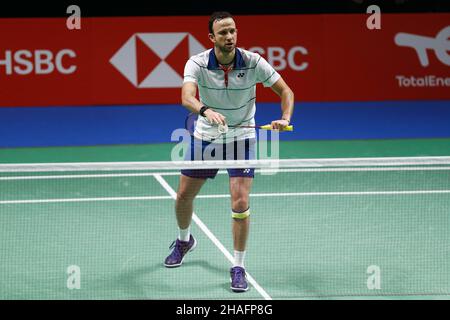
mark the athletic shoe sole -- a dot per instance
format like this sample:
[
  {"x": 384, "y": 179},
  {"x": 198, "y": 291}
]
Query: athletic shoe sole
[{"x": 239, "y": 289}]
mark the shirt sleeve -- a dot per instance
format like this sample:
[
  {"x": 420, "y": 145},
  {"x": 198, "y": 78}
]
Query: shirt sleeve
[
  {"x": 265, "y": 73},
  {"x": 191, "y": 72}
]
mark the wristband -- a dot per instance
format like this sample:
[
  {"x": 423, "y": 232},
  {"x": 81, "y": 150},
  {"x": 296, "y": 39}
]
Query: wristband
[{"x": 202, "y": 111}]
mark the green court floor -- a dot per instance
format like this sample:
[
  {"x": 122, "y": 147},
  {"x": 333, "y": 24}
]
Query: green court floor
[{"x": 315, "y": 233}]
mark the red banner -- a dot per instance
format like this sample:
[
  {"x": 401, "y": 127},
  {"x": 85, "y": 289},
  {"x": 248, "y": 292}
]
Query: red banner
[{"x": 140, "y": 60}]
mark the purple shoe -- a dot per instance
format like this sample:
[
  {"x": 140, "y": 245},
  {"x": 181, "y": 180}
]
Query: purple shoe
[
  {"x": 238, "y": 279},
  {"x": 180, "y": 248}
]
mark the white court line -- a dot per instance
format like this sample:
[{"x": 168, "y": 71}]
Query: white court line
[
  {"x": 217, "y": 196},
  {"x": 213, "y": 238},
  {"x": 148, "y": 174},
  {"x": 343, "y": 193},
  {"x": 80, "y": 176},
  {"x": 84, "y": 199}
]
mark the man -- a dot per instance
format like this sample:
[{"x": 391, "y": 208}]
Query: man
[{"x": 226, "y": 78}]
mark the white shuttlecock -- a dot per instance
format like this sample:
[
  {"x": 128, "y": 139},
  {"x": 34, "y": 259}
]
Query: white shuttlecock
[{"x": 223, "y": 128}]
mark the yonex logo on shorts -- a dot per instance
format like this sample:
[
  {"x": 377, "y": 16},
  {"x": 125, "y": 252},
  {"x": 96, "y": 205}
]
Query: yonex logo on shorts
[
  {"x": 157, "y": 54},
  {"x": 240, "y": 75}
]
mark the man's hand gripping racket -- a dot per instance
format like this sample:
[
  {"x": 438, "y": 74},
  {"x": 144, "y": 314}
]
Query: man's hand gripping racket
[{"x": 219, "y": 120}]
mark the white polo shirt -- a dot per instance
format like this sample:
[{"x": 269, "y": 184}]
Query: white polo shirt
[{"x": 234, "y": 99}]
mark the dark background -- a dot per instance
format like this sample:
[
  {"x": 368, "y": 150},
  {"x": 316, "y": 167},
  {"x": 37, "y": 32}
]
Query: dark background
[{"x": 102, "y": 8}]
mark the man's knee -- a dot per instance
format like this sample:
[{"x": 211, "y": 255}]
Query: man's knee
[
  {"x": 240, "y": 204},
  {"x": 185, "y": 196}
]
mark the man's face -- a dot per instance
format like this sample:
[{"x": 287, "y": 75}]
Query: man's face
[{"x": 225, "y": 35}]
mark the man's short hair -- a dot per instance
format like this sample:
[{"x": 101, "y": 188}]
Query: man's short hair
[{"x": 216, "y": 16}]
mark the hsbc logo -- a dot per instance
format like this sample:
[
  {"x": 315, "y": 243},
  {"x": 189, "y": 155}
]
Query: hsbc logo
[
  {"x": 156, "y": 60},
  {"x": 39, "y": 62},
  {"x": 440, "y": 45},
  {"x": 280, "y": 59}
]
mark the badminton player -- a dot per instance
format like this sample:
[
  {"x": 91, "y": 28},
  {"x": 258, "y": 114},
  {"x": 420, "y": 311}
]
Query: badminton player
[{"x": 226, "y": 78}]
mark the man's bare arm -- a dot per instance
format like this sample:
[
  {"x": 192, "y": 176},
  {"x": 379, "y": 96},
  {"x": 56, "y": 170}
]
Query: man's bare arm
[
  {"x": 189, "y": 100},
  {"x": 287, "y": 103}
]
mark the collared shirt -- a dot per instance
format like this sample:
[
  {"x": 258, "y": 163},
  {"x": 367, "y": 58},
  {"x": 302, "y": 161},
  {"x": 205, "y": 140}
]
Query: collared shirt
[{"x": 231, "y": 93}]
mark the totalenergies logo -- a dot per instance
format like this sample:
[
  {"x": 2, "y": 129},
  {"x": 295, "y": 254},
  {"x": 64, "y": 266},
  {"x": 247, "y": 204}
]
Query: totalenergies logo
[{"x": 440, "y": 45}]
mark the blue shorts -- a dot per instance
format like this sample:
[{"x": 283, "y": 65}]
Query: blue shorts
[{"x": 205, "y": 150}]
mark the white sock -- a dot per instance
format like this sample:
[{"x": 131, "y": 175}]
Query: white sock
[
  {"x": 239, "y": 257},
  {"x": 184, "y": 234}
]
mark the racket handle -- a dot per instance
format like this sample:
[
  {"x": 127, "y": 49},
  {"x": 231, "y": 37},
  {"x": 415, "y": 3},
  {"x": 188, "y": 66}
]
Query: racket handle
[{"x": 269, "y": 127}]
